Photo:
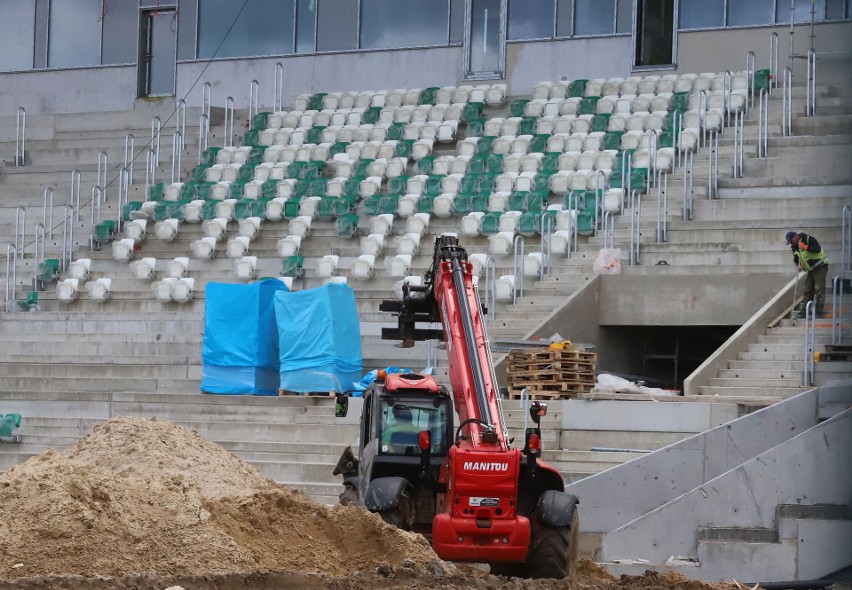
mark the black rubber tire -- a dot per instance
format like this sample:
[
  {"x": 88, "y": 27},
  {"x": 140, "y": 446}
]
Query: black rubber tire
[
  {"x": 508, "y": 569},
  {"x": 348, "y": 496},
  {"x": 553, "y": 550},
  {"x": 399, "y": 516}
]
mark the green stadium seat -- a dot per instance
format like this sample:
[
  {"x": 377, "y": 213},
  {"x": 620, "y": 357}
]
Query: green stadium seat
[
  {"x": 292, "y": 266},
  {"x": 30, "y": 303},
  {"x": 9, "y": 425},
  {"x": 490, "y": 222},
  {"x": 346, "y": 226}
]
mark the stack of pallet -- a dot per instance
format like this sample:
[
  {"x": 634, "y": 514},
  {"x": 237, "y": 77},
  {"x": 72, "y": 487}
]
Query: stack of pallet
[{"x": 550, "y": 374}]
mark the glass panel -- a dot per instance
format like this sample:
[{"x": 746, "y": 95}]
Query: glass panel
[
  {"x": 655, "y": 27},
  {"x": 120, "y": 24},
  {"x": 391, "y": 23},
  {"x": 186, "y": 29},
  {"x": 701, "y": 14},
  {"x": 485, "y": 36},
  {"x": 750, "y": 12},
  {"x": 265, "y": 27},
  {"x": 337, "y": 27},
  {"x": 401, "y": 423},
  {"x": 849, "y": 9},
  {"x": 624, "y": 24},
  {"x": 531, "y": 19},
  {"x": 802, "y": 11},
  {"x": 75, "y": 33},
  {"x": 161, "y": 79},
  {"x": 17, "y": 33},
  {"x": 457, "y": 21},
  {"x": 306, "y": 26},
  {"x": 564, "y": 18},
  {"x": 834, "y": 10},
  {"x": 594, "y": 17}
]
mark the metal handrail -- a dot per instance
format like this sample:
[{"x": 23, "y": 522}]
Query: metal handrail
[
  {"x": 229, "y": 122},
  {"x": 150, "y": 171},
  {"x": 37, "y": 260},
  {"x": 490, "y": 287},
  {"x": 810, "y": 102},
  {"x": 206, "y": 93},
  {"x": 787, "y": 103},
  {"x": 727, "y": 86},
  {"x": 75, "y": 191},
  {"x": 713, "y": 165},
  {"x": 635, "y": 225},
  {"x": 763, "y": 123},
  {"x": 180, "y": 120},
  {"x": 20, "y": 231},
  {"x": 750, "y": 69},
  {"x": 47, "y": 212},
  {"x": 11, "y": 260},
  {"x": 702, "y": 116},
  {"x": 608, "y": 230},
  {"x": 810, "y": 342},
  {"x": 156, "y": 127},
  {"x": 123, "y": 195},
  {"x": 177, "y": 140},
  {"x": 572, "y": 222},
  {"x": 68, "y": 236},
  {"x": 678, "y": 146},
  {"x": 129, "y": 153},
  {"x": 20, "y": 136},
  {"x": 546, "y": 225},
  {"x": 278, "y": 88},
  {"x": 96, "y": 205},
  {"x": 837, "y": 310},
  {"x": 254, "y": 90},
  {"x": 739, "y": 131},
  {"x": 662, "y": 207},
  {"x": 773, "y": 61},
  {"x": 103, "y": 170},
  {"x": 651, "y": 146},
  {"x": 203, "y": 134},
  {"x": 518, "y": 265},
  {"x": 846, "y": 240},
  {"x": 688, "y": 190},
  {"x": 600, "y": 186}
]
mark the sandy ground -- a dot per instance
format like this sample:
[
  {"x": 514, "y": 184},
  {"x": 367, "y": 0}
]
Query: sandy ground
[{"x": 149, "y": 505}]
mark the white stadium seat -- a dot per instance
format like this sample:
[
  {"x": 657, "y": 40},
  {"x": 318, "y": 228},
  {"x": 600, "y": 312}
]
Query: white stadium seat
[
  {"x": 204, "y": 248},
  {"x": 79, "y": 269},
  {"x": 167, "y": 229},
  {"x": 399, "y": 265},
  {"x": 289, "y": 246},
  {"x": 136, "y": 229},
  {"x": 245, "y": 267},
  {"x": 505, "y": 288},
  {"x": 238, "y": 246},
  {"x": 408, "y": 244},
  {"x": 122, "y": 250},
  {"x": 99, "y": 290},
  {"x": 143, "y": 269},
  {"x": 177, "y": 268},
  {"x": 327, "y": 266},
  {"x": 300, "y": 226},
  {"x": 250, "y": 227},
  {"x": 215, "y": 228},
  {"x": 362, "y": 267},
  {"x": 373, "y": 244}
]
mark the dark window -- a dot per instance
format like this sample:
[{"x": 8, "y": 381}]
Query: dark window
[
  {"x": 306, "y": 26},
  {"x": 564, "y": 18},
  {"x": 802, "y": 11},
  {"x": 750, "y": 12},
  {"x": 75, "y": 33},
  {"x": 485, "y": 36},
  {"x": 834, "y": 10},
  {"x": 187, "y": 40},
  {"x": 265, "y": 27},
  {"x": 121, "y": 20},
  {"x": 17, "y": 34},
  {"x": 701, "y": 14},
  {"x": 391, "y": 23},
  {"x": 456, "y": 21},
  {"x": 337, "y": 25},
  {"x": 531, "y": 19},
  {"x": 594, "y": 17}
]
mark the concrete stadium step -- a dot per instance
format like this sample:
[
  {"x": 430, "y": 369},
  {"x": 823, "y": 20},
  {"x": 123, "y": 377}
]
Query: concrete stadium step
[
  {"x": 585, "y": 440},
  {"x": 765, "y": 374},
  {"x": 586, "y": 461},
  {"x": 95, "y": 371},
  {"x": 771, "y": 394},
  {"x": 773, "y": 382},
  {"x": 771, "y": 356},
  {"x": 782, "y": 365},
  {"x": 43, "y": 359}
]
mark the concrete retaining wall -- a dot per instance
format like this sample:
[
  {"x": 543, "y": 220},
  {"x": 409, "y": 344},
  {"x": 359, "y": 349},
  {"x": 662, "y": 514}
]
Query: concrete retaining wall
[{"x": 616, "y": 497}]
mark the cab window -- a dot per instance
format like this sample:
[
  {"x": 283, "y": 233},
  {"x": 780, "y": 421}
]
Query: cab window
[{"x": 402, "y": 420}]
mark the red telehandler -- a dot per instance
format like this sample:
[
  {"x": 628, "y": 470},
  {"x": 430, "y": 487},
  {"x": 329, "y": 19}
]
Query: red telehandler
[{"x": 479, "y": 498}]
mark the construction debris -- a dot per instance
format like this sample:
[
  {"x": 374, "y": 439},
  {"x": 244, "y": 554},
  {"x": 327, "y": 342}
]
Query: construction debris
[{"x": 551, "y": 373}]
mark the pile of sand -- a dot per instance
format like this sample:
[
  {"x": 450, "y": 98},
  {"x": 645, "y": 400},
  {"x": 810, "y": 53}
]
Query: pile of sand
[{"x": 152, "y": 497}]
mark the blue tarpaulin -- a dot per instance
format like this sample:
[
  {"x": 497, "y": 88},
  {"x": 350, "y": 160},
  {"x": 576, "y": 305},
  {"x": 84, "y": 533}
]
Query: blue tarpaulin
[
  {"x": 319, "y": 339},
  {"x": 239, "y": 354}
]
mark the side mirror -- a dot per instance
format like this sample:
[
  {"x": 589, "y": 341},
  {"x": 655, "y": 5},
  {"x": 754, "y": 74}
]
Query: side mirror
[
  {"x": 538, "y": 410},
  {"x": 341, "y": 406}
]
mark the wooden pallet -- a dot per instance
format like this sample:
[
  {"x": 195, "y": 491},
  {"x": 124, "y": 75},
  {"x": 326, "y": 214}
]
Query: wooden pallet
[
  {"x": 537, "y": 355},
  {"x": 576, "y": 366},
  {"x": 560, "y": 389},
  {"x": 547, "y": 376}
]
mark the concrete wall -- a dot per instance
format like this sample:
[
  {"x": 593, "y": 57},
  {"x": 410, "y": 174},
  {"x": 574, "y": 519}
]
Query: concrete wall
[
  {"x": 613, "y": 498},
  {"x": 810, "y": 468},
  {"x": 527, "y": 63},
  {"x": 686, "y": 300}
]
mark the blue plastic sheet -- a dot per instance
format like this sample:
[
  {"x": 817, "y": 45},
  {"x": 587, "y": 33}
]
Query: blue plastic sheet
[
  {"x": 239, "y": 354},
  {"x": 319, "y": 339}
]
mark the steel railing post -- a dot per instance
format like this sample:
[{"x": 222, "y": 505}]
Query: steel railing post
[
  {"x": 21, "y": 137},
  {"x": 156, "y": 127},
  {"x": 47, "y": 211},
  {"x": 518, "y": 267},
  {"x": 546, "y": 225},
  {"x": 75, "y": 191},
  {"x": 103, "y": 170},
  {"x": 750, "y": 69},
  {"x": 278, "y": 88},
  {"x": 177, "y": 140},
  {"x": 254, "y": 91},
  {"x": 229, "y": 122},
  {"x": 11, "y": 265},
  {"x": 20, "y": 231},
  {"x": 491, "y": 287},
  {"x": 180, "y": 120},
  {"x": 773, "y": 61},
  {"x": 129, "y": 153},
  {"x": 39, "y": 253}
]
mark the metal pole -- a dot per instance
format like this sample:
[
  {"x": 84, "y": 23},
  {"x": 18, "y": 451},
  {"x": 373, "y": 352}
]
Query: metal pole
[
  {"x": 39, "y": 253},
  {"x": 129, "y": 151},
  {"x": 229, "y": 122},
  {"x": 203, "y": 128},
  {"x": 491, "y": 286},
  {"x": 20, "y": 137},
  {"x": 518, "y": 265},
  {"x": 20, "y": 231},
  {"x": 180, "y": 122},
  {"x": 75, "y": 191},
  {"x": 177, "y": 140},
  {"x": 773, "y": 61},
  {"x": 155, "y": 137},
  {"x": 47, "y": 211},
  {"x": 750, "y": 75},
  {"x": 254, "y": 90},
  {"x": 11, "y": 260},
  {"x": 278, "y": 88},
  {"x": 102, "y": 181}
]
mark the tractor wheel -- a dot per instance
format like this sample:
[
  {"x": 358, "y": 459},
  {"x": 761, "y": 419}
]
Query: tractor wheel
[
  {"x": 348, "y": 496},
  {"x": 553, "y": 550},
  {"x": 399, "y": 516},
  {"x": 508, "y": 569}
]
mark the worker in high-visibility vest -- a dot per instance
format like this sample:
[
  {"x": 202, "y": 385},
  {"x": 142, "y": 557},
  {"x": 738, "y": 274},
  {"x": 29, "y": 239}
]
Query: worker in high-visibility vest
[{"x": 809, "y": 256}]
